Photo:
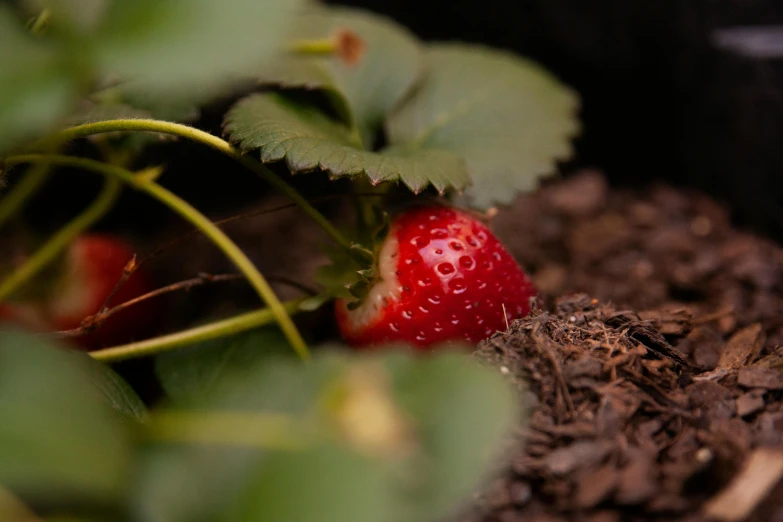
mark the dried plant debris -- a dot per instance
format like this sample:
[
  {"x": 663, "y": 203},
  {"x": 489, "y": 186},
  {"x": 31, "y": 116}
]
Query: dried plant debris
[
  {"x": 658, "y": 393},
  {"x": 624, "y": 429},
  {"x": 655, "y": 391}
]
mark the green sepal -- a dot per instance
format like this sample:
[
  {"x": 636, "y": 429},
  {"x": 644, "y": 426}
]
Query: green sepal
[
  {"x": 367, "y": 274},
  {"x": 382, "y": 224},
  {"x": 362, "y": 254},
  {"x": 359, "y": 289}
]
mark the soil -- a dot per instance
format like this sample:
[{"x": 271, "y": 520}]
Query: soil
[{"x": 656, "y": 393}]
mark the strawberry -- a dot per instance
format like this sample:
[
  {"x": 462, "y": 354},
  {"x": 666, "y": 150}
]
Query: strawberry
[
  {"x": 93, "y": 265},
  {"x": 440, "y": 275}
]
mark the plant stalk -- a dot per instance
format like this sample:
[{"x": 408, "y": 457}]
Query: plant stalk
[
  {"x": 248, "y": 429},
  {"x": 196, "y": 218},
  {"x": 14, "y": 200},
  {"x": 218, "y": 144},
  {"x": 207, "y": 332},
  {"x": 59, "y": 241}
]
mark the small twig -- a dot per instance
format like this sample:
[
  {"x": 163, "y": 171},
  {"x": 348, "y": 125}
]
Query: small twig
[
  {"x": 127, "y": 271},
  {"x": 562, "y": 387},
  {"x": 93, "y": 322},
  {"x": 196, "y": 218},
  {"x": 133, "y": 265},
  {"x": 343, "y": 43}
]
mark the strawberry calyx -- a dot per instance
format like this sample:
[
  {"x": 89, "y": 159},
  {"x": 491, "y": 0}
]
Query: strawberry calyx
[{"x": 351, "y": 274}]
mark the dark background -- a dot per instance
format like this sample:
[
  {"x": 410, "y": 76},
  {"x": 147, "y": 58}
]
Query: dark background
[{"x": 659, "y": 100}]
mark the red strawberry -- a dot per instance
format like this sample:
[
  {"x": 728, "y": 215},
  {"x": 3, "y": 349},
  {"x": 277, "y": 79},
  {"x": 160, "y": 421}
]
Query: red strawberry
[
  {"x": 441, "y": 275},
  {"x": 94, "y": 263}
]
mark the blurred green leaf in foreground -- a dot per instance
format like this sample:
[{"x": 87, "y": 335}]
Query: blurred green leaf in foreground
[
  {"x": 160, "y": 55},
  {"x": 60, "y": 438},
  {"x": 391, "y": 436}
]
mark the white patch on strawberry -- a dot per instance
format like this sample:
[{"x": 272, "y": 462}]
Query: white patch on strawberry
[{"x": 383, "y": 293}]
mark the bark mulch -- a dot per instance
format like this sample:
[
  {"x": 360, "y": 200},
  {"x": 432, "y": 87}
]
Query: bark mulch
[{"x": 656, "y": 392}]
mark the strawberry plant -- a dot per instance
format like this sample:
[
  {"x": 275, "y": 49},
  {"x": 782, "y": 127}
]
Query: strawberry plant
[{"x": 431, "y": 136}]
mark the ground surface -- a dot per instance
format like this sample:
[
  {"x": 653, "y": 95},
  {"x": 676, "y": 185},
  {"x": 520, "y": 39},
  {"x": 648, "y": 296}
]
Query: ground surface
[{"x": 658, "y": 393}]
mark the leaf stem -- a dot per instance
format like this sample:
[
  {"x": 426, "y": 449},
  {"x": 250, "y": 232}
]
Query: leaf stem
[
  {"x": 198, "y": 334},
  {"x": 14, "y": 200},
  {"x": 316, "y": 46},
  {"x": 196, "y": 218},
  {"x": 218, "y": 144},
  {"x": 40, "y": 21},
  {"x": 59, "y": 241},
  {"x": 274, "y": 431},
  {"x": 31, "y": 181}
]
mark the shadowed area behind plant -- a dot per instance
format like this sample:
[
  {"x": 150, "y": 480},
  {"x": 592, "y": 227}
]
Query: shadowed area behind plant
[{"x": 660, "y": 101}]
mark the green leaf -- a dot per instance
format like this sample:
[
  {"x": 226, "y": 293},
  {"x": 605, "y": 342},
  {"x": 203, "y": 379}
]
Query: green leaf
[
  {"x": 308, "y": 140},
  {"x": 192, "y": 372},
  {"x": 187, "y": 482},
  {"x": 115, "y": 390},
  {"x": 464, "y": 411},
  {"x": 191, "y": 50},
  {"x": 386, "y": 436},
  {"x": 391, "y": 63},
  {"x": 59, "y": 438},
  {"x": 83, "y": 15},
  {"x": 506, "y": 116},
  {"x": 12, "y": 508},
  {"x": 339, "y": 274},
  {"x": 38, "y": 84},
  {"x": 327, "y": 483}
]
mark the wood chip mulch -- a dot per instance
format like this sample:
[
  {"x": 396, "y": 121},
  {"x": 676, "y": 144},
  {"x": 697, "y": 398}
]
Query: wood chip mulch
[{"x": 658, "y": 393}]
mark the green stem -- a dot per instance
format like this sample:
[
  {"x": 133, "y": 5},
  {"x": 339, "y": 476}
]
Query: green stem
[
  {"x": 22, "y": 191},
  {"x": 316, "y": 47},
  {"x": 277, "y": 431},
  {"x": 198, "y": 334},
  {"x": 59, "y": 241},
  {"x": 41, "y": 21},
  {"x": 196, "y": 218},
  {"x": 31, "y": 181},
  {"x": 218, "y": 144}
]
